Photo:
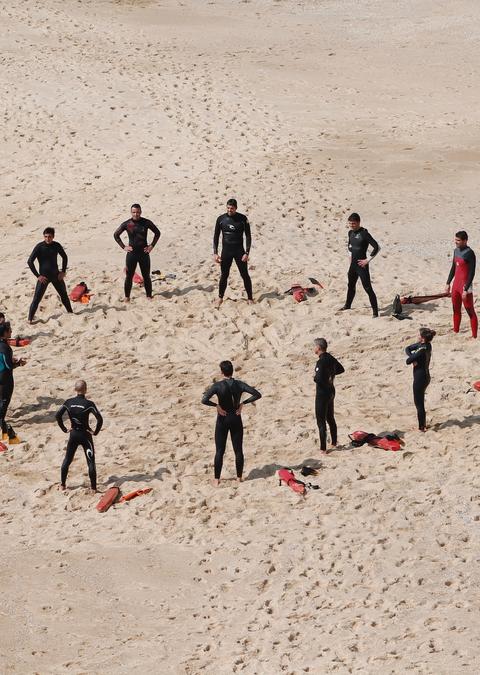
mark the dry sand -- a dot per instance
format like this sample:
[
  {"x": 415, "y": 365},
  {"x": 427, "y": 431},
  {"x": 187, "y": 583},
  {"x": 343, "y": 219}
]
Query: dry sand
[{"x": 304, "y": 111}]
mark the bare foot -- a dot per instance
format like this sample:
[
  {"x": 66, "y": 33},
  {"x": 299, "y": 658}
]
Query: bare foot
[
  {"x": 423, "y": 429},
  {"x": 62, "y": 488},
  {"x": 216, "y": 482},
  {"x": 126, "y": 300},
  {"x": 250, "y": 302},
  {"x": 218, "y": 302},
  {"x": 149, "y": 297},
  {"x": 239, "y": 479}
]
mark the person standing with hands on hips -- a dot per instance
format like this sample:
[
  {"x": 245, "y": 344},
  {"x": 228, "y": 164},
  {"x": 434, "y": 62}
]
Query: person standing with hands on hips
[
  {"x": 233, "y": 226},
  {"x": 359, "y": 239},
  {"x": 138, "y": 249}
]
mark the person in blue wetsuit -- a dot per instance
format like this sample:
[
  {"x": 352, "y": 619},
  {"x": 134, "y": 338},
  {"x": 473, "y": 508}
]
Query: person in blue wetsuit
[{"x": 7, "y": 365}]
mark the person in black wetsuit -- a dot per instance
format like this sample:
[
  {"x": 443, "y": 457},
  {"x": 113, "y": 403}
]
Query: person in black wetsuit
[
  {"x": 359, "y": 239},
  {"x": 47, "y": 252},
  {"x": 138, "y": 249},
  {"x": 7, "y": 365},
  {"x": 79, "y": 410},
  {"x": 229, "y": 418},
  {"x": 233, "y": 226},
  {"x": 325, "y": 370},
  {"x": 419, "y": 355}
]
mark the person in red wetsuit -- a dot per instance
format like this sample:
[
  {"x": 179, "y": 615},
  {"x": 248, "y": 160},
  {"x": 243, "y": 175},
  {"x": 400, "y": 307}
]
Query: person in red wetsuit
[{"x": 462, "y": 273}]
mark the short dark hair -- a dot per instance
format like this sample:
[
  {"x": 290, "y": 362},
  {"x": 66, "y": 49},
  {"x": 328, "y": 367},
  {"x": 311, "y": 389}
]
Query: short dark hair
[
  {"x": 354, "y": 218},
  {"x": 461, "y": 234},
  {"x": 135, "y": 206},
  {"x": 232, "y": 202},
  {"x": 427, "y": 334},
  {"x": 2, "y": 316},
  {"x": 227, "y": 368},
  {"x": 49, "y": 230},
  {"x": 4, "y": 328}
]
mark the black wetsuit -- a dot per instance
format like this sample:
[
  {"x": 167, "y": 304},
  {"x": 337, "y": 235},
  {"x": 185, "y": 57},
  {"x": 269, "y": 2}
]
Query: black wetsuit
[
  {"x": 325, "y": 370},
  {"x": 47, "y": 255},
  {"x": 358, "y": 243},
  {"x": 79, "y": 410},
  {"x": 420, "y": 353},
  {"x": 229, "y": 393},
  {"x": 233, "y": 228},
  {"x": 6, "y": 381},
  {"x": 137, "y": 231}
]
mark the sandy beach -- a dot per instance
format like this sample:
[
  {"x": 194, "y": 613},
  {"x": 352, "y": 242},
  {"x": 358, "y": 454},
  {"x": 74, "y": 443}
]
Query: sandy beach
[{"x": 303, "y": 111}]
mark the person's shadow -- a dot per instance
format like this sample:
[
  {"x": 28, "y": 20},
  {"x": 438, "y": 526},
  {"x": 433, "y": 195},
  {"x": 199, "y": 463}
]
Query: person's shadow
[
  {"x": 463, "y": 424},
  {"x": 41, "y": 408},
  {"x": 271, "y": 469},
  {"x": 137, "y": 477},
  {"x": 185, "y": 291},
  {"x": 272, "y": 295}
]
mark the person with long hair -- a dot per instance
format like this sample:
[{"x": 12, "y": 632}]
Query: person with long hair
[{"x": 419, "y": 355}]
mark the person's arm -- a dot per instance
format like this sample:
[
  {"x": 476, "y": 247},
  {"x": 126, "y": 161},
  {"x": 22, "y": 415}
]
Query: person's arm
[
  {"x": 211, "y": 391},
  {"x": 216, "y": 236},
  {"x": 373, "y": 244},
  {"x": 31, "y": 261},
  {"x": 452, "y": 271},
  {"x": 254, "y": 393},
  {"x": 6, "y": 355},
  {"x": 59, "y": 417},
  {"x": 118, "y": 232},
  {"x": 339, "y": 369},
  {"x": 64, "y": 257},
  {"x": 98, "y": 417},
  {"x": 156, "y": 233},
  {"x": 319, "y": 377},
  {"x": 248, "y": 237},
  {"x": 414, "y": 352},
  {"x": 471, "y": 260}
]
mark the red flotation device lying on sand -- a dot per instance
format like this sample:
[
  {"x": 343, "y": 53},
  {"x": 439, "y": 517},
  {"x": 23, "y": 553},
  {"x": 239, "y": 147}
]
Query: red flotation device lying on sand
[
  {"x": 301, "y": 293},
  {"x": 420, "y": 299},
  {"x": 135, "y": 493},
  {"x": 386, "y": 442},
  {"x": 108, "y": 498},
  {"x": 3, "y": 447},
  {"x": 80, "y": 293},
  {"x": 288, "y": 477},
  {"x": 19, "y": 342},
  {"x": 476, "y": 385}
]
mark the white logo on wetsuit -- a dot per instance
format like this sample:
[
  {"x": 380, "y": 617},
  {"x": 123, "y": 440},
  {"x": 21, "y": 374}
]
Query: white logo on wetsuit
[{"x": 231, "y": 226}]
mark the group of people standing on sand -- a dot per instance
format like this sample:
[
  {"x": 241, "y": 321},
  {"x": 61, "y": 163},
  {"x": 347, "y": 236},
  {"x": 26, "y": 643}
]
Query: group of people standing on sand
[{"x": 236, "y": 244}]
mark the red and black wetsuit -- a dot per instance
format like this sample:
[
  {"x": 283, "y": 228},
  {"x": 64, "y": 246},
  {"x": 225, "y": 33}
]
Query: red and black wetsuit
[
  {"x": 233, "y": 228},
  {"x": 137, "y": 231},
  {"x": 462, "y": 272},
  {"x": 47, "y": 257}
]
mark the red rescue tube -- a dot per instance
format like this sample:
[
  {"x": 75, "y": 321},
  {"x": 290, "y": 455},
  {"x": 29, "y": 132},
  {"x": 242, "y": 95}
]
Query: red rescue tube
[
  {"x": 476, "y": 385},
  {"x": 78, "y": 291}
]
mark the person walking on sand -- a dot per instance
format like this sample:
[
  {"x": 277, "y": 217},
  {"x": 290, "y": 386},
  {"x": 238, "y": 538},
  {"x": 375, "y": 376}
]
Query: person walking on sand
[
  {"x": 462, "y": 272},
  {"x": 46, "y": 253},
  {"x": 79, "y": 410},
  {"x": 8, "y": 363},
  {"x": 233, "y": 226},
  {"x": 229, "y": 416},
  {"x": 138, "y": 249},
  {"x": 359, "y": 239},
  {"x": 419, "y": 355},
  {"x": 325, "y": 370}
]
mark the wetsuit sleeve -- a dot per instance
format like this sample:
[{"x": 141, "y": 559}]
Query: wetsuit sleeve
[
  {"x": 452, "y": 271},
  {"x": 318, "y": 377},
  {"x": 339, "y": 369},
  {"x": 373, "y": 244},
  {"x": 59, "y": 417},
  {"x": 118, "y": 232},
  {"x": 216, "y": 235},
  {"x": 7, "y": 357},
  {"x": 211, "y": 391},
  {"x": 254, "y": 393},
  {"x": 156, "y": 233},
  {"x": 99, "y": 419},
  {"x": 64, "y": 257},
  {"x": 31, "y": 261},
  {"x": 470, "y": 258},
  {"x": 414, "y": 352},
  {"x": 248, "y": 236}
]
